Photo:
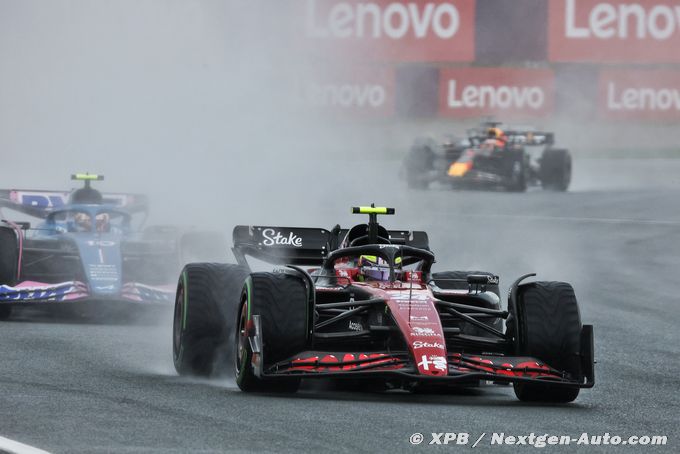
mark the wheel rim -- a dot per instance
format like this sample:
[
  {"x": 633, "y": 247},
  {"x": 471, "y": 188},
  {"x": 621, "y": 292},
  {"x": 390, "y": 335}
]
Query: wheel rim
[
  {"x": 177, "y": 325},
  {"x": 241, "y": 338}
]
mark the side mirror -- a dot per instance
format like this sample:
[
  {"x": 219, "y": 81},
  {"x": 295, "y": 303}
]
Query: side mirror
[{"x": 482, "y": 279}]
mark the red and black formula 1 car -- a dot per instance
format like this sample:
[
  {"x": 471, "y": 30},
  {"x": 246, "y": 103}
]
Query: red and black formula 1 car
[
  {"x": 491, "y": 156},
  {"x": 373, "y": 309}
]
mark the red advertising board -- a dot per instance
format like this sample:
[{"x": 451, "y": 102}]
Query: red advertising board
[
  {"x": 364, "y": 91},
  {"x": 643, "y": 31},
  {"x": 391, "y": 30},
  {"x": 639, "y": 94},
  {"x": 502, "y": 92}
]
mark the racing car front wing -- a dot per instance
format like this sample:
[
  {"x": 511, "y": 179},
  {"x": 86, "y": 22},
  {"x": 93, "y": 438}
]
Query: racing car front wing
[
  {"x": 459, "y": 367},
  {"x": 39, "y": 292},
  {"x": 72, "y": 291}
]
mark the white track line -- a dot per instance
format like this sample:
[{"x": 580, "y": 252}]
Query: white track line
[
  {"x": 14, "y": 447},
  {"x": 533, "y": 217}
]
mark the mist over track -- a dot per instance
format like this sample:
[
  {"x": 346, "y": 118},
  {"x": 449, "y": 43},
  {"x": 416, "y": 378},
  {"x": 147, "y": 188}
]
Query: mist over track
[{"x": 73, "y": 387}]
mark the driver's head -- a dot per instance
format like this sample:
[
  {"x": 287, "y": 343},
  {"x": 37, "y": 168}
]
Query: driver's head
[
  {"x": 373, "y": 268},
  {"x": 103, "y": 222},
  {"x": 83, "y": 222},
  {"x": 496, "y": 133}
]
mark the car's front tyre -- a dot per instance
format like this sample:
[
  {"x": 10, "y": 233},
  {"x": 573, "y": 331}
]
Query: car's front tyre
[
  {"x": 282, "y": 302},
  {"x": 549, "y": 330},
  {"x": 207, "y": 296}
]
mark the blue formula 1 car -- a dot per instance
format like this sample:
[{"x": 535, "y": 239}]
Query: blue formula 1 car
[{"x": 91, "y": 247}]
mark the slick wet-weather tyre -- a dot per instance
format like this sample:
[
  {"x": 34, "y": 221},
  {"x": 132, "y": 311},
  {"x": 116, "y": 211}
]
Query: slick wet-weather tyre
[
  {"x": 549, "y": 330},
  {"x": 282, "y": 302},
  {"x": 207, "y": 297}
]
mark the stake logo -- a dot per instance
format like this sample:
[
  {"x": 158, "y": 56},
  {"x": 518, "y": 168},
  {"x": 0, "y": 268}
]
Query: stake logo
[
  {"x": 421, "y": 344},
  {"x": 274, "y": 238},
  {"x": 614, "y": 30}
]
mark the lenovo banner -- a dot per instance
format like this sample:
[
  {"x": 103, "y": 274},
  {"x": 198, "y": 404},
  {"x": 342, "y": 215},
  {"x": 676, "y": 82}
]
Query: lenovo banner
[
  {"x": 391, "y": 30},
  {"x": 368, "y": 91},
  {"x": 502, "y": 92},
  {"x": 639, "y": 94},
  {"x": 643, "y": 31}
]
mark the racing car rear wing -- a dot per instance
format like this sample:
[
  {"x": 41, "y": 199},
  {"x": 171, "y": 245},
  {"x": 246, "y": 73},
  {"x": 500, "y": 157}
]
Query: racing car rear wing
[
  {"x": 302, "y": 245},
  {"x": 531, "y": 138},
  {"x": 39, "y": 203}
]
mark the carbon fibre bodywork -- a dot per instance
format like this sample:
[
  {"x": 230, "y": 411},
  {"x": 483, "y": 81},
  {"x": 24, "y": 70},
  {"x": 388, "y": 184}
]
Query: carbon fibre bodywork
[
  {"x": 414, "y": 327},
  {"x": 523, "y": 158},
  {"x": 86, "y": 251}
]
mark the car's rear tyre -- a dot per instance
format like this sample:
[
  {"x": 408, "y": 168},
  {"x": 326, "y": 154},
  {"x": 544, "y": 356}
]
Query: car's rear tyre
[
  {"x": 207, "y": 297},
  {"x": 555, "y": 170},
  {"x": 419, "y": 161},
  {"x": 5, "y": 312},
  {"x": 518, "y": 176},
  {"x": 549, "y": 330},
  {"x": 9, "y": 257},
  {"x": 282, "y": 302}
]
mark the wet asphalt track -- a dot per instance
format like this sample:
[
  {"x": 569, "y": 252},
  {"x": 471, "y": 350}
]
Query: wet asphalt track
[{"x": 73, "y": 387}]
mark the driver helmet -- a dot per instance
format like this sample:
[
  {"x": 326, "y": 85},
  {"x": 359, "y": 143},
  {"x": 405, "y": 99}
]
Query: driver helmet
[
  {"x": 497, "y": 136},
  {"x": 373, "y": 268},
  {"x": 496, "y": 133},
  {"x": 103, "y": 222},
  {"x": 83, "y": 222}
]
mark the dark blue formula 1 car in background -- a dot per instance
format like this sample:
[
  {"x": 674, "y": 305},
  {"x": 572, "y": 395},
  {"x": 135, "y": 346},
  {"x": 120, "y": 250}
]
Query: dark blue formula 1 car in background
[
  {"x": 491, "y": 156},
  {"x": 92, "y": 247}
]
